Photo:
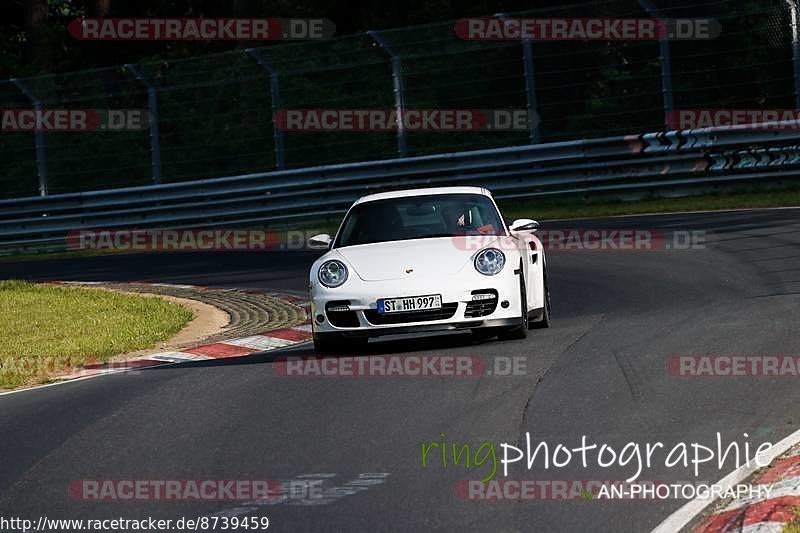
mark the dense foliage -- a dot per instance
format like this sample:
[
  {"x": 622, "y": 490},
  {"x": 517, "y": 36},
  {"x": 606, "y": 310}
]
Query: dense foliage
[{"x": 215, "y": 107}]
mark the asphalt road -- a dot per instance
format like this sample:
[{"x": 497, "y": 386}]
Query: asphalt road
[{"x": 599, "y": 371}]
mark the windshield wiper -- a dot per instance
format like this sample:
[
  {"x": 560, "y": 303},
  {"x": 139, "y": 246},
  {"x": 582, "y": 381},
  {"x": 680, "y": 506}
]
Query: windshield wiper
[{"x": 436, "y": 235}]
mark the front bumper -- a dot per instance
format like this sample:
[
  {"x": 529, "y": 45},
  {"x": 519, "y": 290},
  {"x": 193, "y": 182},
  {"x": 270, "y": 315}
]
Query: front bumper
[{"x": 459, "y": 310}]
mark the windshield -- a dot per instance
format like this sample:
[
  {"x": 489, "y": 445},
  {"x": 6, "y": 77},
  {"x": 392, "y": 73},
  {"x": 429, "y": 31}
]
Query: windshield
[{"x": 420, "y": 217}]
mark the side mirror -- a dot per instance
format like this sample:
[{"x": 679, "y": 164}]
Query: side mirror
[
  {"x": 323, "y": 240},
  {"x": 524, "y": 224}
]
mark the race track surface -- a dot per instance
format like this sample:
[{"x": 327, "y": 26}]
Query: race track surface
[{"x": 600, "y": 371}]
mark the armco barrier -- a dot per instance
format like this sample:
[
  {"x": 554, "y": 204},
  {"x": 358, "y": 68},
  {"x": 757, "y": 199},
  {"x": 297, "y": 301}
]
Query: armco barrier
[{"x": 633, "y": 162}]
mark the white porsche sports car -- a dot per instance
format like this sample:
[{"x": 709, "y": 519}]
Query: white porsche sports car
[{"x": 425, "y": 260}]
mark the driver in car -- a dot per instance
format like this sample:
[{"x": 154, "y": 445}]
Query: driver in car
[{"x": 460, "y": 220}]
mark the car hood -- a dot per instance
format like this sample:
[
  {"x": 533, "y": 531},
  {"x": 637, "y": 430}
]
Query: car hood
[{"x": 413, "y": 258}]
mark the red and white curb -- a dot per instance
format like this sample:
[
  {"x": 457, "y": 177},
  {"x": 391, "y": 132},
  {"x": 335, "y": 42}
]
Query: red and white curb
[
  {"x": 767, "y": 514},
  {"x": 230, "y": 348}
]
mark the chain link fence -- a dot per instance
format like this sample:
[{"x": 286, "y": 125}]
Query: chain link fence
[{"x": 212, "y": 116}]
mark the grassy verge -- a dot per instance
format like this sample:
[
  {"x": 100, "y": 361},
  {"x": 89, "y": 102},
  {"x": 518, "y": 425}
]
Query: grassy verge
[
  {"x": 51, "y": 255},
  {"x": 794, "y": 525},
  {"x": 46, "y": 329}
]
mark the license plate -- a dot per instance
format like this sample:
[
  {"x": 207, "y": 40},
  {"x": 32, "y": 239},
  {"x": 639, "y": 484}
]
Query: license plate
[{"x": 412, "y": 303}]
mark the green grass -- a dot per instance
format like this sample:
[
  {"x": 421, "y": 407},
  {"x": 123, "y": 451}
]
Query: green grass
[
  {"x": 50, "y": 255},
  {"x": 46, "y": 329},
  {"x": 794, "y": 525}
]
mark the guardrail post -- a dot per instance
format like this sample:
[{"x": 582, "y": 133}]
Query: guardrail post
[
  {"x": 152, "y": 103},
  {"x": 666, "y": 64},
  {"x": 530, "y": 91},
  {"x": 41, "y": 152},
  {"x": 399, "y": 90},
  {"x": 275, "y": 95},
  {"x": 530, "y": 87},
  {"x": 666, "y": 79},
  {"x": 794, "y": 16}
]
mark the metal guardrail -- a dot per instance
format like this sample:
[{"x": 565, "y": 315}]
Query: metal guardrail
[{"x": 616, "y": 164}]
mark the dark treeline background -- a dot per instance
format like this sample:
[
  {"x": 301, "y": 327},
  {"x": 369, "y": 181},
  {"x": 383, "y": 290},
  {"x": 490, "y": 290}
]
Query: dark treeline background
[
  {"x": 215, "y": 107},
  {"x": 34, "y": 36},
  {"x": 35, "y": 39}
]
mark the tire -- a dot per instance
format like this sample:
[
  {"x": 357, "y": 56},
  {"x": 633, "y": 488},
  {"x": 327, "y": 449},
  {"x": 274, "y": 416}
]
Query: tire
[
  {"x": 544, "y": 320},
  {"x": 336, "y": 344},
  {"x": 519, "y": 331}
]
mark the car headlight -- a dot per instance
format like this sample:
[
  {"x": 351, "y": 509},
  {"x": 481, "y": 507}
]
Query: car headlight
[
  {"x": 490, "y": 261},
  {"x": 332, "y": 273}
]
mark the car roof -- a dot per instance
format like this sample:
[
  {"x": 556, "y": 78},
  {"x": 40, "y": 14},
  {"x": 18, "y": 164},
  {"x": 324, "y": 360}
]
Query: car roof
[{"x": 422, "y": 192}]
